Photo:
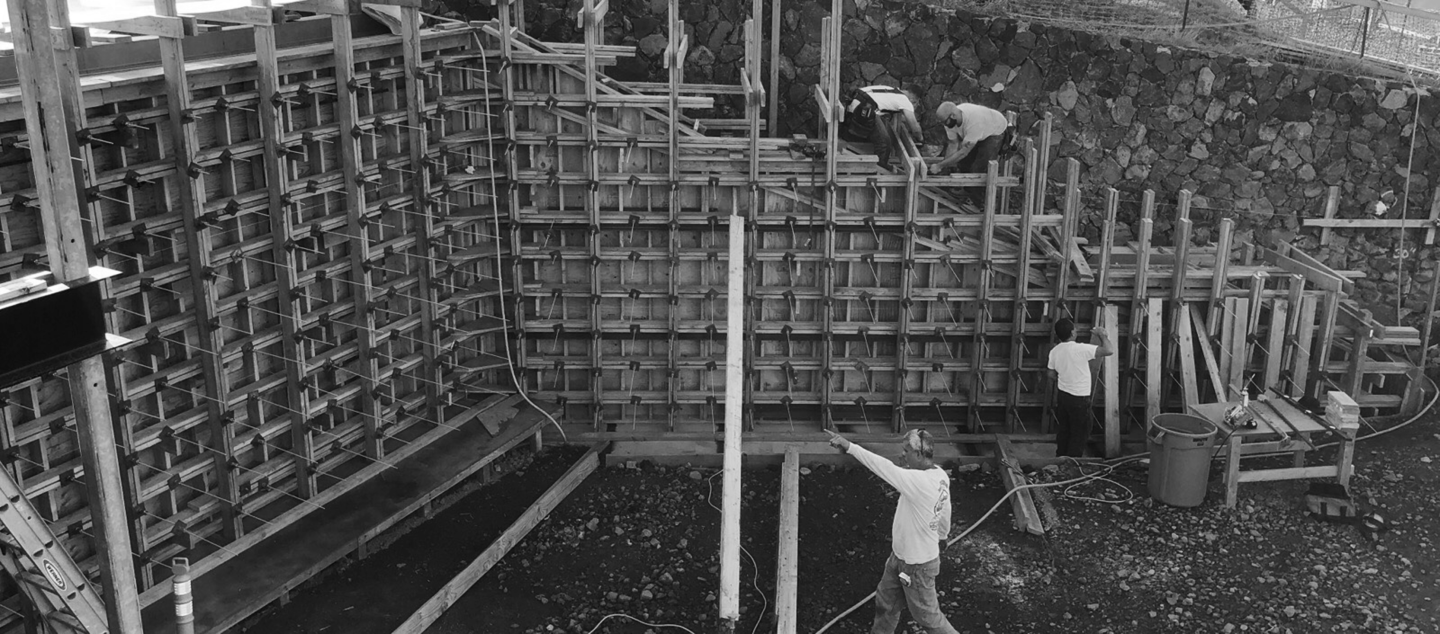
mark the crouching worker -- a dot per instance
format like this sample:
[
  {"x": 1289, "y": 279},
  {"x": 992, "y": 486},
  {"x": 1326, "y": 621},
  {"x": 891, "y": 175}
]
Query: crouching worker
[
  {"x": 922, "y": 522},
  {"x": 870, "y": 113},
  {"x": 974, "y": 135}
]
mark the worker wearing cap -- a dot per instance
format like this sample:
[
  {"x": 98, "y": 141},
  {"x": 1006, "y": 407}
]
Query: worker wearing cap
[
  {"x": 922, "y": 522},
  {"x": 973, "y": 135},
  {"x": 870, "y": 113},
  {"x": 1070, "y": 374}
]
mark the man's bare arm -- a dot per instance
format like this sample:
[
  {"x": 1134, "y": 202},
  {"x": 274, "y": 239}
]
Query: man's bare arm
[
  {"x": 956, "y": 156},
  {"x": 1105, "y": 349}
]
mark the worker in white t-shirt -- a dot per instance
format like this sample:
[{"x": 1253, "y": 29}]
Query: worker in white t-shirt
[
  {"x": 922, "y": 522},
  {"x": 871, "y": 112},
  {"x": 1070, "y": 374},
  {"x": 973, "y": 136}
]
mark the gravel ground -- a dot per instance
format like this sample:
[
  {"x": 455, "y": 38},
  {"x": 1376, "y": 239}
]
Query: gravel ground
[{"x": 643, "y": 542}]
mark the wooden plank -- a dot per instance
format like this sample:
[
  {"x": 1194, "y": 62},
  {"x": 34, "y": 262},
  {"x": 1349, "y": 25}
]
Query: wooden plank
[
  {"x": 1275, "y": 344},
  {"x": 1434, "y": 218},
  {"x": 1293, "y": 473},
  {"x": 1207, "y": 351},
  {"x": 787, "y": 568},
  {"x": 1325, "y": 336},
  {"x": 1239, "y": 333},
  {"x": 1027, "y": 518},
  {"x": 1107, "y": 244},
  {"x": 1189, "y": 390},
  {"x": 1332, "y": 205},
  {"x": 1300, "y": 362},
  {"x": 461, "y": 583},
  {"x": 1153, "y": 369},
  {"x": 1112, "y": 384},
  {"x": 1227, "y": 333},
  {"x": 1367, "y": 223},
  {"x": 152, "y": 25}
]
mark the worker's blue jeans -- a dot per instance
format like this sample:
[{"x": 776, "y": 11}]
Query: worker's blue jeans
[{"x": 892, "y": 595}]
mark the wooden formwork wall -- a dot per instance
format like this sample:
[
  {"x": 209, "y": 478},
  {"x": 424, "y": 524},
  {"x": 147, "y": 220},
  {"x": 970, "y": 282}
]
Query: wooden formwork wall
[
  {"x": 318, "y": 259},
  {"x": 308, "y": 281}
]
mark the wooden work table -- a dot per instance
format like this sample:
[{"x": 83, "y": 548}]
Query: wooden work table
[{"x": 1281, "y": 427}]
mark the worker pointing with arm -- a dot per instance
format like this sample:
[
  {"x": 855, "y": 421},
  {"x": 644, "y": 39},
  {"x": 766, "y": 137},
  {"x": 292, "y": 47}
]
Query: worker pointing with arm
[
  {"x": 922, "y": 522},
  {"x": 1070, "y": 374}
]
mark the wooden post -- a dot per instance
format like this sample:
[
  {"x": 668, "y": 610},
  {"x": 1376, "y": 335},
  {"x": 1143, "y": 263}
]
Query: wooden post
[
  {"x": 1022, "y": 277},
  {"x": 1430, "y": 312},
  {"x": 773, "y": 121},
  {"x": 1177, "y": 294},
  {"x": 191, "y": 192},
  {"x": 1112, "y": 384},
  {"x": 734, "y": 392},
  {"x": 347, "y": 115},
  {"x": 787, "y": 568},
  {"x": 676, "y": 69},
  {"x": 53, "y": 142},
  {"x": 1153, "y": 375},
  {"x": 272, "y": 130},
  {"x": 1222, "y": 268},
  {"x": 1142, "y": 319},
  {"x": 979, "y": 347}
]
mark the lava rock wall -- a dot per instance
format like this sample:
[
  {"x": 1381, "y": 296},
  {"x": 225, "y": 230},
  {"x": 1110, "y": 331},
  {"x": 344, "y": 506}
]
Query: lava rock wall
[{"x": 1255, "y": 141}]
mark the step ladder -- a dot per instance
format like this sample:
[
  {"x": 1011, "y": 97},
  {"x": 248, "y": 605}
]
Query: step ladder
[{"x": 43, "y": 570}]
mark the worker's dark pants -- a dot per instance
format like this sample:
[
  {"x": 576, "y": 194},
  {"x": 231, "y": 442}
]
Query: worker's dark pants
[
  {"x": 877, "y": 134},
  {"x": 978, "y": 161},
  {"x": 1072, "y": 424},
  {"x": 892, "y": 595}
]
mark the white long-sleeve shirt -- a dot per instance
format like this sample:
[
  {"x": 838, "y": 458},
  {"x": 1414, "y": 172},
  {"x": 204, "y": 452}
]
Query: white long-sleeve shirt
[{"x": 922, "y": 516}]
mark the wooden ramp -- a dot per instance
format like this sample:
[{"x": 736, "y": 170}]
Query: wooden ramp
[
  {"x": 243, "y": 585},
  {"x": 461, "y": 583}
]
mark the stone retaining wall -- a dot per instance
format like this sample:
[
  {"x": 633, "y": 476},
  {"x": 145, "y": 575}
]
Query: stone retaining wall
[{"x": 1254, "y": 141}]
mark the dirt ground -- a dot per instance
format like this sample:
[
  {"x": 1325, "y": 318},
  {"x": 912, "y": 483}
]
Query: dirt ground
[{"x": 643, "y": 542}]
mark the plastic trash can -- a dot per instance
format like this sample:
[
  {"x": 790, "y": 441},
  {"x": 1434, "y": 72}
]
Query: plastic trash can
[{"x": 1181, "y": 447}]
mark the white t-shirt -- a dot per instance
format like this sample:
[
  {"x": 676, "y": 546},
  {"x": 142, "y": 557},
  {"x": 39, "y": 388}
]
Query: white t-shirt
[
  {"x": 977, "y": 124},
  {"x": 886, "y": 99},
  {"x": 922, "y": 516},
  {"x": 1071, "y": 362}
]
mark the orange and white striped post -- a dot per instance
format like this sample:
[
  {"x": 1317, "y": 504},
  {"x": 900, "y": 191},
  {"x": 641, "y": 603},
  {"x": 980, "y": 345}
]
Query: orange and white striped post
[{"x": 184, "y": 607}]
